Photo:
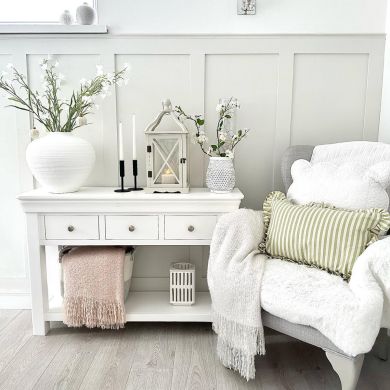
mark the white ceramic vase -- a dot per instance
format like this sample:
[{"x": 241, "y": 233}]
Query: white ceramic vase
[
  {"x": 61, "y": 162},
  {"x": 85, "y": 14},
  {"x": 220, "y": 177}
]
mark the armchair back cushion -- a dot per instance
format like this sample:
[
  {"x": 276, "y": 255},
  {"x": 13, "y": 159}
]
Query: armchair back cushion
[
  {"x": 363, "y": 153},
  {"x": 347, "y": 185},
  {"x": 319, "y": 235}
]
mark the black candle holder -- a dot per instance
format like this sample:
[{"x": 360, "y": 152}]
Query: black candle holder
[
  {"x": 122, "y": 175},
  {"x": 135, "y": 174}
]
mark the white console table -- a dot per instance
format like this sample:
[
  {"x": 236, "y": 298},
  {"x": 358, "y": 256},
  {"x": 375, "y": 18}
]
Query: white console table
[{"x": 99, "y": 216}]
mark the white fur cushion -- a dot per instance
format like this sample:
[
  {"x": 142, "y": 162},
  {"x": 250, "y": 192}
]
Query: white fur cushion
[{"x": 347, "y": 185}]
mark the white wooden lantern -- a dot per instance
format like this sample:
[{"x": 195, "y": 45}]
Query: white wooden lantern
[{"x": 166, "y": 154}]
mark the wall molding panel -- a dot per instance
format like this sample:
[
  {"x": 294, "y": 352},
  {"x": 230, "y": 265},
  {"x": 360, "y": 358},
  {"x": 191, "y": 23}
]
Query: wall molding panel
[{"x": 292, "y": 88}]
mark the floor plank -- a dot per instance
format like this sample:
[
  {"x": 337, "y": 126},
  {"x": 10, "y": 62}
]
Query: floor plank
[
  {"x": 70, "y": 365},
  {"x": 149, "y": 379},
  {"x": 375, "y": 374},
  {"x": 154, "y": 354},
  {"x": 155, "y": 346},
  {"x": 194, "y": 365},
  {"x": 25, "y": 369},
  {"x": 292, "y": 367},
  {"x": 113, "y": 360},
  {"x": 6, "y": 316},
  {"x": 14, "y": 336},
  {"x": 159, "y": 356},
  {"x": 230, "y": 380}
]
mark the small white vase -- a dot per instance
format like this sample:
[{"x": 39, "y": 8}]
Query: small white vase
[
  {"x": 66, "y": 18},
  {"x": 61, "y": 162},
  {"x": 85, "y": 14},
  {"x": 220, "y": 177}
]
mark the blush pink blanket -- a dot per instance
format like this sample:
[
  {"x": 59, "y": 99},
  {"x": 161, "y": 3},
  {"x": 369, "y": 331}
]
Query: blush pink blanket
[{"x": 93, "y": 287}]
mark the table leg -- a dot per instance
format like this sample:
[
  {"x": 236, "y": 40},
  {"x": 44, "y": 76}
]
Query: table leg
[{"x": 38, "y": 277}]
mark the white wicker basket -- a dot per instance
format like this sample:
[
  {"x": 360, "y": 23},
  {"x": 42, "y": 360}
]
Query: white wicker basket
[{"x": 182, "y": 284}]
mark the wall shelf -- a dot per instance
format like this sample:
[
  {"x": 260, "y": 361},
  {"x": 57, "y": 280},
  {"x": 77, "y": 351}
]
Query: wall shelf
[{"x": 52, "y": 29}]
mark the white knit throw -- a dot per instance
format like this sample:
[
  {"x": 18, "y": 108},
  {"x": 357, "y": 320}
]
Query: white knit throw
[{"x": 234, "y": 277}]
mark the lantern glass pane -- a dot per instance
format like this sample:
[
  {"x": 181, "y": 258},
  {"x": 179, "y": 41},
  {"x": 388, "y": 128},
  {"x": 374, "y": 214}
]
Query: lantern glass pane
[{"x": 166, "y": 161}]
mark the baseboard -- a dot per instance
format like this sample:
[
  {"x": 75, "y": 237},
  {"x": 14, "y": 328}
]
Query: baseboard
[{"x": 15, "y": 300}]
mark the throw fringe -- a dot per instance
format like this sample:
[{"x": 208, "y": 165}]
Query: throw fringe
[
  {"x": 92, "y": 313},
  {"x": 238, "y": 344}
]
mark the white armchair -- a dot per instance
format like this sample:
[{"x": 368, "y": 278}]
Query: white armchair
[{"x": 345, "y": 361}]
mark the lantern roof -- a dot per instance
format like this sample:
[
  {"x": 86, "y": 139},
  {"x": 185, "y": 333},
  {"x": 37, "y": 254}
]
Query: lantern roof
[{"x": 167, "y": 110}]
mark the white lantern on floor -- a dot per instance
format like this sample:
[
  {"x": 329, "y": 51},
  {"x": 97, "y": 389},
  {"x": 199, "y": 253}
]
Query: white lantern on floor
[{"x": 166, "y": 154}]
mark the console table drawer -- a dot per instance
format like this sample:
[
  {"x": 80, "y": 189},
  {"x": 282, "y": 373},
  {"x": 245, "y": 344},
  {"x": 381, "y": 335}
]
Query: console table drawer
[
  {"x": 127, "y": 227},
  {"x": 72, "y": 227},
  {"x": 189, "y": 227}
]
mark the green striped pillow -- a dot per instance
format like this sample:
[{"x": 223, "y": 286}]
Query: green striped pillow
[{"x": 319, "y": 235}]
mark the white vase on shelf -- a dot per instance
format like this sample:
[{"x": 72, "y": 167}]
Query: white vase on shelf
[
  {"x": 220, "y": 177},
  {"x": 60, "y": 162},
  {"x": 85, "y": 14},
  {"x": 66, "y": 18}
]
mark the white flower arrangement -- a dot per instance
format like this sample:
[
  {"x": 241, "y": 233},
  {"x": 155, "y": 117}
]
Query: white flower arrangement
[
  {"x": 47, "y": 107},
  {"x": 226, "y": 140}
]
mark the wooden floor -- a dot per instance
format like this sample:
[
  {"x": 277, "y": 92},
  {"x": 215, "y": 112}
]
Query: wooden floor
[{"x": 157, "y": 356}]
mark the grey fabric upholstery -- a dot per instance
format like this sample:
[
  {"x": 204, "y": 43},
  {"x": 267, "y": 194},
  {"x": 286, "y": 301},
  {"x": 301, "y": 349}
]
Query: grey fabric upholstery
[
  {"x": 304, "y": 333},
  {"x": 293, "y": 153}
]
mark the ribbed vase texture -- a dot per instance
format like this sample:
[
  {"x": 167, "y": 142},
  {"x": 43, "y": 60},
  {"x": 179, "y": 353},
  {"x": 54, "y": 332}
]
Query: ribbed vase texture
[
  {"x": 61, "y": 162},
  {"x": 220, "y": 177},
  {"x": 66, "y": 18}
]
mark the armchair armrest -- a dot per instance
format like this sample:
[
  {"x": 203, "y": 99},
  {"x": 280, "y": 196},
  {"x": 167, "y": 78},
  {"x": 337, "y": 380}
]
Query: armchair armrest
[{"x": 371, "y": 272}]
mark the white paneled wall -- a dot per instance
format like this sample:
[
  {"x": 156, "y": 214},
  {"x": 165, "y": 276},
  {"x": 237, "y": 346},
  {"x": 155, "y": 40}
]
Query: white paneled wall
[
  {"x": 384, "y": 127},
  {"x": 153, "y": 78},
  {"x": 319, "y": 114},
  {"x": 293, "y": 89},
  {"x": 253, "y": 79},
  {"x": 13, "y": 280}
]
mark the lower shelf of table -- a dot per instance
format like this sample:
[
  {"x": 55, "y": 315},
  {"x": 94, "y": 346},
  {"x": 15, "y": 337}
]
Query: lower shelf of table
[{"x": 153, "y": 307}]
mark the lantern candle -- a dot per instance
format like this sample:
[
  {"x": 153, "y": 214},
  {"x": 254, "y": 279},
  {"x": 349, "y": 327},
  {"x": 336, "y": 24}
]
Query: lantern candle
[
  {"x": 134, "y": 140},
  {"x": 121, "y": 160},
  {"x": 120, "y": 139},
  {"x": 168, "y": 177},
  {"x": 135, "y": 162}
]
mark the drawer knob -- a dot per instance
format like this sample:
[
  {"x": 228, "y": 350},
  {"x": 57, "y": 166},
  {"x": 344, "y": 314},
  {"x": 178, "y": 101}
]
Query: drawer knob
[
  {"x": 191, "y": 228},
  {"x": 70, "y": 228},
  {"x": 131, "y": 228}
]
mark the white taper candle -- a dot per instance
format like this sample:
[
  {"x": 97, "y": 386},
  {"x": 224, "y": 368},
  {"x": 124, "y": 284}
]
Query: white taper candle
[
  {"x": 134, "y": 139},
  {"x": 120, "y": 139}
]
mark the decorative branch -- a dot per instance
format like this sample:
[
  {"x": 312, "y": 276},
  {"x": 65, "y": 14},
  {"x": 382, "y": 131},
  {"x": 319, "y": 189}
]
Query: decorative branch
[
  {"x": 55, "y": 114},
  {"x": 226, "y": 141}
]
